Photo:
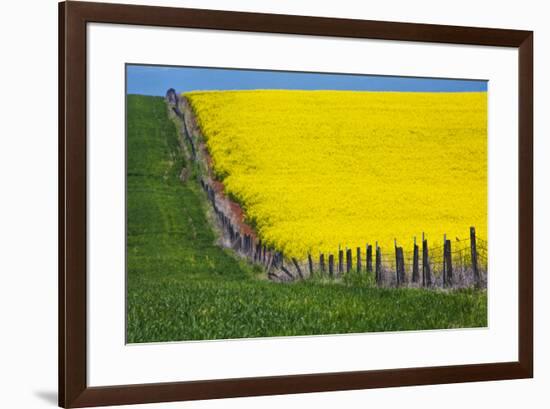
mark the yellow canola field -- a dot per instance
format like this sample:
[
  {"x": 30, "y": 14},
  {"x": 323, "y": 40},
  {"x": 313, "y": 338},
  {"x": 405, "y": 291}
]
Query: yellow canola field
[{"x": 315, "y": 170}]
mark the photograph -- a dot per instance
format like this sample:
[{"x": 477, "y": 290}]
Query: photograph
[{"x": 266, "y": 203}]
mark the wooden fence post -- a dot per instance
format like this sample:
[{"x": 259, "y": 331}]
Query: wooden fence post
[
  {"x": 415, "y": 263},
  {"x": 310, "y": 262},
  {"x": 358, "y": 259},
  {"x": 276, "y": 258},
  {"x": 235, "y": 241},
  {"x": 268, "y": 256},
  {"x": 426, "y": 274},
  {"x": 396, "y": 262},
  {"x": 378, "y": 265},
  {"x": 348, "y": 260},
  {"x": 399, "y": 266},
  {"x": 444, "y": 260},
  {"x": 340, "y": 261},
  {"x": 473, "y": 249},
  {"x": 369, "y": 258},
  {"x": 331, "y": 265},
  {"x": 448, "y": 273},
  {"x": 322, "y": 263},
  {"x": 298, "y": 268},
  {"x": 285, "y": 270}
]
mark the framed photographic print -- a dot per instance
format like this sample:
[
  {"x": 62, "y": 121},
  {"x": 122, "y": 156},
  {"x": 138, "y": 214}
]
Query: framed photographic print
[{"x": 255, "y": 204}]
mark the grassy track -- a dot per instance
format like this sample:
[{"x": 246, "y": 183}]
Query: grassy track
[{"x": 182, "y": 286}]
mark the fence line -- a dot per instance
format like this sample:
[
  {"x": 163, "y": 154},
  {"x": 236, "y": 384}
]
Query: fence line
[
  {"x": 461, "y": 262},
  {"x": 454, "y": 264}
]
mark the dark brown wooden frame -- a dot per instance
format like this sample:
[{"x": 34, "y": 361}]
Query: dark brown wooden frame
[{"x": 73, "y": 388}]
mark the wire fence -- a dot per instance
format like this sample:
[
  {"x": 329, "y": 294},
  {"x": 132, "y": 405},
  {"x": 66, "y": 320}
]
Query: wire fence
[
  {"x": 457, "y": 263},
  {"x": 451, "y": 263}
]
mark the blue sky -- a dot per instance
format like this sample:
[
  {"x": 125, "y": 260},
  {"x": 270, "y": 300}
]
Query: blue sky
[{"x": 155, "y": 80}]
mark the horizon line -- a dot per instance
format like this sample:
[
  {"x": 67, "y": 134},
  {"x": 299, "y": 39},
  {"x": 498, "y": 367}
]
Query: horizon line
[{"x": 308, "y": 90}]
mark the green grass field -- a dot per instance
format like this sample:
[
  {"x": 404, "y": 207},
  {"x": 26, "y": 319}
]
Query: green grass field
[{"x": 182, "y": 286}]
